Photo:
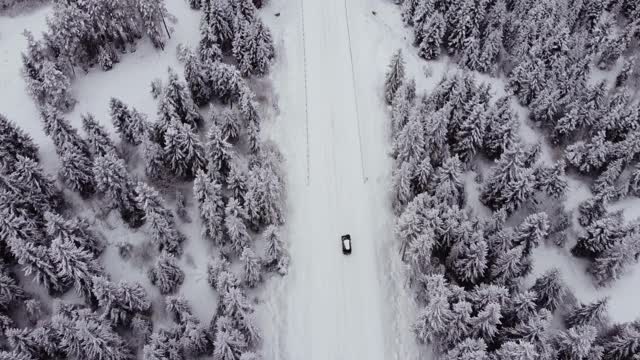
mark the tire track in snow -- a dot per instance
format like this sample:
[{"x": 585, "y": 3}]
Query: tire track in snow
[{"x": 306, "y": 92}]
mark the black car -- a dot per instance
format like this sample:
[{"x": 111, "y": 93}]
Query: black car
[{"x": 346, "y": 244}]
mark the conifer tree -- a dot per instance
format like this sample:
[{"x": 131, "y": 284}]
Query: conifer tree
[
  {"x": 432, "y": 35},
  {"x": 164, "y": 232},
  {"x": 10, "y": 291},
  {"x": 218, "y": 152},
  {"x": 153, "y": 156},
  {"x": 486, "y": 323},
  {"x": 509, "y": 265},
  {"x": 75, "y": 230},
  {"x": 166, "y": 274},
  {"x": 121, "y": 301},
  {"x": 228, "y": 121},
  {"x": 517, "y": 350},
  {"x": 591, "y": 210},
  {"x": 401, "y": 106},
  {"x": 253, "y": 47},
  {"x": 532, "y": 232},
  {"x": 264, "y": 200},
  {"x": 183, "y": 152},
  {"x": 403, "y": 188},
  {"x": 501, "y": 128},
  {"x": 196, "y": 76},
  {"x": 600, "y": 235},
  {"x": 395, "y": 76},
  {"x": 113, "y": 180},
  {"x": 226, "y": 82},
  {"x": 251, "y": 267},
  {"x": 449, "y": 187},
  {"x": 37, "y": 185},
  {"x": 235, "y": 228},
  {"x": 129, "y": 123},
  {"x": 163, "y": 345},
  {"x": 176, "y": 104},
  {"x": 612, "y": 263},
  {"x": 228, "y": 343},
  {"x": 276, "y": 253},
  {"x": 237, "y": 181},
  {"x": 13, "y": 142},
  {"x": 75, "y": 265},
  {"x": 468, "y": 259},
  {"x": 152, "y": 14},
  {"x": 98, "y": 139},
  {"x": 623, "y": 345},
  {"x": 587, "y": 314},
  {"x": 61, "y": 131},
  {"x": 436, "y": 128},
  {"x": 470, "y": 133},
  {"x": 76, "y": 170},
  {"x": 409, "y": 144},
  {"x": 208, "y": 194},
  {"x": 217, "y": 19},
  {"x": 576, "y": 342},
  {"x": 550, "y": 290}
]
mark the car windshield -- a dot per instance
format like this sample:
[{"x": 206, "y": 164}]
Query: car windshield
[{"x": 346, "y": 243}]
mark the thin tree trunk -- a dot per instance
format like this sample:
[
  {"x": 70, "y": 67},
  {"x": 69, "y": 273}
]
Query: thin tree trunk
[{"x": 165, "y": 27}]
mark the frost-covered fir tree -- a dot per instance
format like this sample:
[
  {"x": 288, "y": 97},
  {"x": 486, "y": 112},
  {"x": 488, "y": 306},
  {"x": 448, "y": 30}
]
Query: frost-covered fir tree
[
  {"x": 402, "y": 186},
  {"x": 276, "y": 254},
  {"x": 153, "y": 14},
  {"x": 113, "y": 180},
  {"x": 121, "y": 301},
  {"x": 76, "y": 171},
  {"x": 251, "y": 266},
  {"x": 576, "y": 342},
  {"x": 235, "y": 228},
  {"x": 449, "y": 188},
  {"x": 229, "y": 122},
  {"x": 163, "y": 345},
  {"x": 264, "y": 200},
  {"x": 612, "y": 263},
  {"x": 166, "y": 274},
  {"x": 36, "y": 262},
  {"x": 176, "y": 104},
  {"x": 160, "y": 221},
  {"x": 179, "y": 308},
  {"x": 208, "y": 194},
  {"x": 98, "y": 139},
  {"x": 183, "y": 152},
  {"x": 128, "y": 122},
  {"x": 153, "y": 156},
  {"x": 237, "y": 307},
  {"x": 550, "y": 290},
  {"x": 469, "y": 134},
  {"x": 587, "y": 314},
  {"x": 217, "y": 20},
  {"x": 517, "y": 350},
  {"x": 486, "y": 323},
  {"x": 35, "y": 184},
  {"x": 226, "y": 82},
  {"x": 501, "y": 128},
  {"x": 11, "y": 291},
  {"x": 196, "y": 340},
  {"x": 253, "y": 47},
  {"x": 532, "y": 232},
  {"x": 395, "y": 76},
  {"x": 468, "y": 259},
  {"x": 13, "y": 142},
  {"x": 237, "y": 181},
  {"x": 436, "y": 128},
  {"x": 591, "y": 210},
  {"x": 624, "y": 345},
  {"x": 409, "y": 145},
  {"x": 83, "y": 335},
  {"x": 228, "y": 343},
  {"x": 46, "y": 83},
  {"x": 61, "y": 131},
  {"x": 600, "y": 235},
  {"x": 401, "y": 106},
  {"x": 75, "y": 265},
  {"x": 432, "y": 35},
  {"x": 215, "y": 267},
  {"x": 74, "y": 230},
  {"x": 218, "y": 152},
  {"x": 197, "y": 77}
]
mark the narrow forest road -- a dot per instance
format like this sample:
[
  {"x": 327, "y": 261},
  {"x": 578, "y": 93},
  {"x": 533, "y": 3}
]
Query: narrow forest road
[{"x": 333, "y": 131}]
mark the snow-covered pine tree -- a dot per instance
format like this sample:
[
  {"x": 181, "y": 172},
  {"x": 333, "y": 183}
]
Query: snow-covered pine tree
[
  {"x": 601, "y": 234},
  {"x": 469, "y": 134},
  {"x": 251, "y": 266},
  {"x": 98, "y": 139},
  {"x": 612, "y": 263},
  {"x": 75, "y": 230},
  {"x": 129, "y": 123},
  {"x": 13, "y": 142},
  {"x": 517, "y": 350},
  {"x": 550, "y": 290},
  {"x": 76, "y": 171},
  {"x": 468, "y": 259},
  {"x": 264, "y": 200},
  {"x": 576, "y": 342},
  {"x": 237, "y": 181},
  {"x": 121, "y": 301},
  {"x": 215, "y": 267},
  {"x": 113, "y": 180},
  {"x": 227, "y": 83},
  {"x": 401, "y": 106},
  {"x": 509, "y": 266},
  {"x": 276, "y": 254},
  {"x": 421, "y": 16},
  {"x": 471, "y": 53},
  {"x": 153, "y": 156},
  {"x": 179, "y": 308},
  {"x": 395, "y": 76},
  {"x": 164, "y": 232},
  {"x": 84, "y": 335},
  {"x": 176, "y": 104},
  {"x": 253, "y": 46},
  {"x": 153, "y": 14},
  {"x": 624, "y": 345},
  {"x": 591, "y": 210},
  {"x": 208, "y": 194},
  {"x": 235, "y": 228},
  {"x": 38, "y": 186},
  {"x": 449, "y": 188},
  {"x": 197, "y": 77},
  {"x": 163, "y": 345},
  {"x": 183, "y": 152},
  {"x": 587, "y": 314},
  {"x": 75, "y": 265},
  {"x": 432, "y": 35},
  {"x": 501, "y": 128},
  {"x": 552, "y": 180},
  {"x": 218, "y": 153},
  {"x": 166, "y": 274},
  {"x": 10, "y": 292},
  {"x": 532, "y": 232},
  {"x": 237, "y": 307},
  {"x": 408, "y": 10},
  {"x": 228, "y": 343},
  {"x": 243, "y": 10},
  {"x": 409, "y": 145},
  {"x": 486, "y": 324},
  {"x": 61, "y": 131},
  {"x": 217, "y": 20},
  {"x": 402, "y": 186},
  {"x": 229, "y": 122}
]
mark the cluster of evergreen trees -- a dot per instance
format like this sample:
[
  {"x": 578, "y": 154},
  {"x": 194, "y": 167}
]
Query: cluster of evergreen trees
[
  {"x": 469, "y": 271},
  {"x": 238, "y": 189},
  {"x": 84, "y": 34}
]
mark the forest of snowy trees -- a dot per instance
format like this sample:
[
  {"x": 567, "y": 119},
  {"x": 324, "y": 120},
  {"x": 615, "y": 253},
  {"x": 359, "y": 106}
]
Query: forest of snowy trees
[
  {"x": 470, "y": 272},
  {"x": 236, "y": 178}
]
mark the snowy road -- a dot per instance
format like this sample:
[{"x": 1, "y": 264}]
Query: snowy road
[{"x": 333, "y": 132}]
